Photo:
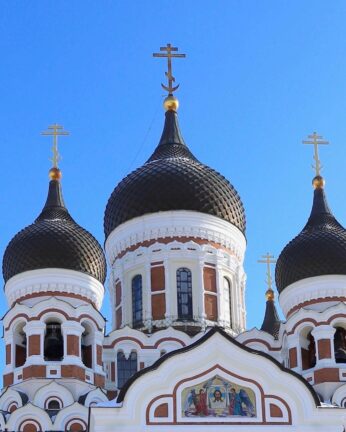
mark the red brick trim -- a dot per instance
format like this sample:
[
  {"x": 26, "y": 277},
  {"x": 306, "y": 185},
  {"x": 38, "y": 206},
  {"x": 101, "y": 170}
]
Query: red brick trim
[
  {"x": 66, "y": 315},
  {"x": 8, "y": 379},
  {"x": 265, "y": 343},
  {"x": 316, "y": 323},
  {"x": 326, "y": 375},
  {"x": 35, "y": 423},
  {"x": 314, "y": 301},
  {"x": 125, "y": 338},
  {"x": 161, "y": 410},
  {"x": 166, "y": 240},
  {"x": 53, "y": 294}
]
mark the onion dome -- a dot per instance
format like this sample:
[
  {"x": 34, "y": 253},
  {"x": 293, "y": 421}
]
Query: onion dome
[
  {"x": 319, "y": 249},
  {"x": 271, "y": 322},
  {"x": 54, "y": 240},
  {"x": 173, "y": 179}
]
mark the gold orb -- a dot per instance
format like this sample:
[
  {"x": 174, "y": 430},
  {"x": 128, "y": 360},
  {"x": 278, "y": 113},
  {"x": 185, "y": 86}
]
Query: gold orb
[
  {"x": 171, "y": 103},
  {"x": 318, "y": 182},
  {"x": 270, "y": 294},
  {"x": 55, "y": 174}
]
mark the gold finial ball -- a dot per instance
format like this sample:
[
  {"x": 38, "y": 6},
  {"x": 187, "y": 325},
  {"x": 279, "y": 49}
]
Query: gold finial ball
[
  {"x": 171, "y": 103},
  {"x": 55, "y": 174},
  {"x": 318, "y": 182},
  {"x": 270, "y": 295}
]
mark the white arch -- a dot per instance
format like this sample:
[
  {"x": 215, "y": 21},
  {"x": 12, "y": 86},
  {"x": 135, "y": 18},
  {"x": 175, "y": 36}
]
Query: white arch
[
  {"x": 95, "y": 396},
  {"x": 53, "y": 389},
  {"x": 74, "y": 411},
  {"x": 29, "y": 412}
]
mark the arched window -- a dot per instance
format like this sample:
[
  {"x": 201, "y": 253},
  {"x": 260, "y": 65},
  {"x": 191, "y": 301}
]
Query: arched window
[
  {"x": 126, "y": 367},
  {"x": 53, "y": 404},
  {"x": 308, "y": 349},
  {"x": 184, "y": 293},
  {"x": 137, "y": 301},
  {"x": 53, "y": 342},
  {"x": 340, "y": 345},
  {"x": 227, "y": 295},
  {"x": 86, "y": 346},
  {"x": 20, "y": 345}
]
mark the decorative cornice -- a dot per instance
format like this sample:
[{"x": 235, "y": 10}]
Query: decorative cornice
[
  {"x": 179, "y": 223},
  {"x": 318, "y": 289},
  {"x": 36, "y": 282}
]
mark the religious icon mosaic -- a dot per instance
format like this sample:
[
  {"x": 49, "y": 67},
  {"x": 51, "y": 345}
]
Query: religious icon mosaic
[{"x": 218, "y": 397}]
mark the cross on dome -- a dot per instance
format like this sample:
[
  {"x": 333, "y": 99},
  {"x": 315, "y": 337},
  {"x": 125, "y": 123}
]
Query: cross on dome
[
  {"x": 55, "y": 130},
  {"x": 268, "y": 259},
  {"x": 169, "y": 49},
  {"x": 316, "y": 140}
]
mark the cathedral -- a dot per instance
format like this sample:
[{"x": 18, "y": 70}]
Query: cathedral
[{"x": 178, "y": 356}]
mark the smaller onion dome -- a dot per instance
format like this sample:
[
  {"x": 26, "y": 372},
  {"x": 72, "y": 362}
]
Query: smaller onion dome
[
  {"x": 271, "y": 322},
  {"x": 173, "y": 179},
  {"x": 54, "y": 240},
  {"x": 319, "y": 249}
]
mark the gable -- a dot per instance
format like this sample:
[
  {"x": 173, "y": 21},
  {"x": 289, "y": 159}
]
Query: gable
[{"x": 216, "y": 382}]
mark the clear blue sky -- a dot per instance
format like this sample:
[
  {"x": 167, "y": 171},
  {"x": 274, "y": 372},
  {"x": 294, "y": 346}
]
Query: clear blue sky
[{"x": 258, "y": 77}]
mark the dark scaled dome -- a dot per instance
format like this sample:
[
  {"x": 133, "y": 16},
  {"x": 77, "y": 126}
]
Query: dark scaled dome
[
  {"x": 54, "y": 240},
  {"x": 319, "y": 249},
  {"x": 173, "y": 179}
]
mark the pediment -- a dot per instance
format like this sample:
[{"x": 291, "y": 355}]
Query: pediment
[{"x": 214, "y": 381}]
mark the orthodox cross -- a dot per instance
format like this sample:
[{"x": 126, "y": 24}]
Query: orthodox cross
[
  {"x": 168, "y": 53},
  {"x": 55, "y": 131},
  {"x": 268, "y": 259},
  {"x": 316, "y": 140}
]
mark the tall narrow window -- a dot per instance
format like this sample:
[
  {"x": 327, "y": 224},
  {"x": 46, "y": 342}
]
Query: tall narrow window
[
  {"x": 126, "y": 367},
  {"x": 184, "y": 293},
  {"x": 53, "y": 342},
  {"x": 137, "y": 301},
  {"x": 340, "y": 345},
  {"x": 227, "y": 294}
]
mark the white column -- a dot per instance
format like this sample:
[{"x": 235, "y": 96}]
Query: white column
[
  {"x": 200, "y": 292},
  {"x": 170, "y": 291},
  {"x": 320, "y": 333},
  {"x": 220, "y": 295},
  {"x": 34, "y": 328},
  {"x": 293, "y": 341},
  {"x": 146, "y": 295},
  {"x": 98, "y": 340},
  {"x": 76, "y": 329}
]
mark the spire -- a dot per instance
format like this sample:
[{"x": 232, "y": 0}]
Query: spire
[
  {"x": 171, "y": 143},
  {"x": 54, "y": 207},
  {"x": 271, "y": 321}
]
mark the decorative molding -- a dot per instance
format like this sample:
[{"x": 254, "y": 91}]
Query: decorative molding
[
  {"x": 178, "y": 223},
  {"x": 322, "y": 288},
  {"x": 55, "y": 281}
]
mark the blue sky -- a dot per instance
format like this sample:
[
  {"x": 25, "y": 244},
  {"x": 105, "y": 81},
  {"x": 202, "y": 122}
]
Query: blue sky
[{"x": 259, "y": 76}]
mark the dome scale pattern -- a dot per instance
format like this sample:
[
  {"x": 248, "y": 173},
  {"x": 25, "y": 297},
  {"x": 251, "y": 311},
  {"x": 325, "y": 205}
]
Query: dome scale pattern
[
  {"x": 173, "y": 179},
  {"x": 54, "y": 240},
  {"x": 319, "y": 249}
]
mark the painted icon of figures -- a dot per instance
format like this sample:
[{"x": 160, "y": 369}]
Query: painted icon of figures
[{"x": 218, "y": 397}]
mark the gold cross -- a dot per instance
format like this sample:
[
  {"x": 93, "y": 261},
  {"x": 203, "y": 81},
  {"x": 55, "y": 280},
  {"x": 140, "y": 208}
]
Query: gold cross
[
  {"x": 268, "y": 260},
  {"x": 55, "y": 130},
  {"x": 316, "y": 140},
  {"x": 168, "y": 54}
]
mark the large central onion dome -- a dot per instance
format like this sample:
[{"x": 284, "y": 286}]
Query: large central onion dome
[
  {"x": 173, "y": 179},
  {"x": 319, "y": 249},
  {"x": 54, "y": 240}
]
